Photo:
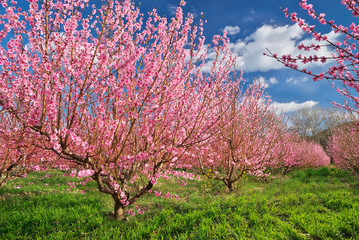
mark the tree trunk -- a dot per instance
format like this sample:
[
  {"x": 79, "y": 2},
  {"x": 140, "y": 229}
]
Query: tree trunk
[
  {"x": 119, "y": 212},
  {"x": 286, "y": 170},
  {"x": 229, "y": 184}
]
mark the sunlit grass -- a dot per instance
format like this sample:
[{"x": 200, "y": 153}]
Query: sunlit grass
[{"x": 308, "y": 204}]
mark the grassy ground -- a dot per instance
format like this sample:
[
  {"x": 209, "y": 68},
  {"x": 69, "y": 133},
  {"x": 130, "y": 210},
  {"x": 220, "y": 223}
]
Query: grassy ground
[{"x": 307, "y": 204}]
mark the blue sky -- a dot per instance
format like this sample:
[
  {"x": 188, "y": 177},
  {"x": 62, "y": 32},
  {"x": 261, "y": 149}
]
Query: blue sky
[{"x": 259, "y": 24}]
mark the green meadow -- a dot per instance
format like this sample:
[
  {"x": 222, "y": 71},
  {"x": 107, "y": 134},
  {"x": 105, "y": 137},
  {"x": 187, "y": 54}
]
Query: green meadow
[{"x": 307, "y": 204}]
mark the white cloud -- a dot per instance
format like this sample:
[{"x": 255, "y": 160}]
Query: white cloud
[
  {"x": 292, "y": 106},
  {"x": 282, "y": 40},
  {"x": 266, "y": 83},
  {"x": 294, "y": 80},
  {"x": 278, "y": 39},
  {"x": 262, "y": 81},
  {"x": 273, "y": 80},
  {"x": 250, "y": 50},
  {"x": 232, "y": 30}
]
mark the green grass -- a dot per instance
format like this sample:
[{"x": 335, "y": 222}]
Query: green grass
[{"x": 308, "y": 204}]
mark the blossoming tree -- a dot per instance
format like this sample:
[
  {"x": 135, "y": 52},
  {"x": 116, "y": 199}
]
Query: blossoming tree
[
  {"x": 248, "y": 144},
  {"x": 296, "y": 152},
  {"x": 123, "y": 99}
]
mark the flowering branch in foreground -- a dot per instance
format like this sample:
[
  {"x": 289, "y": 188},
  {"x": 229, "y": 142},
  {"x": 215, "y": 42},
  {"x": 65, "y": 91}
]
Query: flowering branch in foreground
[{"x": 345, "y": 60}]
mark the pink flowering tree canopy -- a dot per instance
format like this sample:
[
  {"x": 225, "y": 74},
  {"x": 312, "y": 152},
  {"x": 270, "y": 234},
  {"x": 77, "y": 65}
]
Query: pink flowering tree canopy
[
  {"x": 248, "y": 144},
  {"x": 123, "y": 99},
  {"x": 342, "y": 65},
  {"x": 344, "y": 147}
]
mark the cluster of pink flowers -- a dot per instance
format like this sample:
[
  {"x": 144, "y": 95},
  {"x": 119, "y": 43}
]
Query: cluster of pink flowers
[
  {"x": 133, "y": 212},
  {"x": 167, "y": 196},
  {"x": 85, "y": 173}
]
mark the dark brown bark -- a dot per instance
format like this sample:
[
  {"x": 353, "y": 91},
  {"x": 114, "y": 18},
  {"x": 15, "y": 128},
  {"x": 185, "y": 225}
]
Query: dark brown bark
[
  {"x": 119, "y": 212},
  {"x": 229, "y": 184}
]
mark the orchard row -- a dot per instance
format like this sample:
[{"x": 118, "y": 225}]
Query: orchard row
[{"x": 125, "y": 100}]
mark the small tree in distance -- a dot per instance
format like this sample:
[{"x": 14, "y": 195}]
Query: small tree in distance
[
  {"x": 309, "y": 121},
  {"x": 316, "y": 123}
]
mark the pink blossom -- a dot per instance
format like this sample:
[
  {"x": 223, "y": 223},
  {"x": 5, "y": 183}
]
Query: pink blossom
[{"x": 85, "y": 173}]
